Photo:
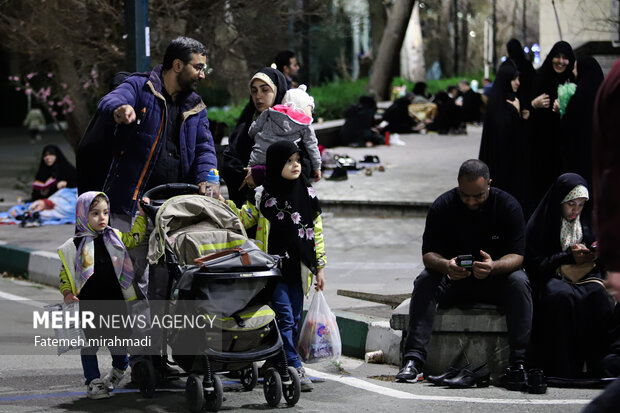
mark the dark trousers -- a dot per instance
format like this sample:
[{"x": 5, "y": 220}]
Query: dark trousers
[{"x": 510, "y": 291}]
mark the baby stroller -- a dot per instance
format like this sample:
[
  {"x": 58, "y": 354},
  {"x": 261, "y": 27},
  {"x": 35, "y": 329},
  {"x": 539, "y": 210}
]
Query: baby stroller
[{"x": 215, "y": 270}]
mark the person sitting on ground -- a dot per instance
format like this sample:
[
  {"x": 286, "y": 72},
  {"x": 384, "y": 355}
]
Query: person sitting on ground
[
  {"x": 420, "y": 95},
  {"x": 398, "y": 118},
  {"x": 359, "y": 124},
  {"x": 472, "y": 103},
  {"x": 573, "y": 310},
  {"x": 447, "y": 120},
  {"x": 486, "y": 223},
  {"x": 290, "y": 121},
  {"x": 54, "y": 173}
]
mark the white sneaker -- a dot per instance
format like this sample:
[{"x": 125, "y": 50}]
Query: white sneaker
[
  {"x": 113, "y": 378},
  {"x": 96, "y": 389}
]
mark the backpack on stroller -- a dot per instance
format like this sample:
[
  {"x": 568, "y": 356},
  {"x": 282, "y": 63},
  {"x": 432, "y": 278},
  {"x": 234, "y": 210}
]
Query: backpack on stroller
[{"x": 217, "y": 272}]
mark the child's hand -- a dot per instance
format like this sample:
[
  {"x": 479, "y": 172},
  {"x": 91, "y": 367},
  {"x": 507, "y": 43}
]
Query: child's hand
[
  {"x": 248, "y": 180},
  {"x": 320, "y": 280},
  {"x": 70, "y": 297},
  {"x": 317, "y": 175},
  {"x": 147, "y": 201}
]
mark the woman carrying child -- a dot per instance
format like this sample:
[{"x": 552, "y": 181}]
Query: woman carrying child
[{"x": 96, "y": 266}]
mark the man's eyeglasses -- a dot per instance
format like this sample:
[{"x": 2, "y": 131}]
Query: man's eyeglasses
[{"x": 202, "y": 68}]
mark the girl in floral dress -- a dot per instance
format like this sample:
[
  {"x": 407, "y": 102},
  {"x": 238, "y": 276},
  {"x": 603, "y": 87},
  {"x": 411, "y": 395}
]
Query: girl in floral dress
[{"x": 290, "y": 204}]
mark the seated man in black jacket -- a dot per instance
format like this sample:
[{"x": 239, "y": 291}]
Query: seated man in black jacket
[{"x": 486, "y": 223}]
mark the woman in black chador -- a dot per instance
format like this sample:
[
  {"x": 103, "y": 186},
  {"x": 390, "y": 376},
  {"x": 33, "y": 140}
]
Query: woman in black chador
[
  {"x": 545, "y": 140},
  {"x": 54, "y": 173},
  {"x": 526, "y": 75},
  {"x": 576, "y": 124},
  {"x": 502, "y": 133},
  {"x": 572, "y": 310}
]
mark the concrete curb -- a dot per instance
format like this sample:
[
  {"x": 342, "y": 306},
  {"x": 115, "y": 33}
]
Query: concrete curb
[{"x": 359, "y": 333}]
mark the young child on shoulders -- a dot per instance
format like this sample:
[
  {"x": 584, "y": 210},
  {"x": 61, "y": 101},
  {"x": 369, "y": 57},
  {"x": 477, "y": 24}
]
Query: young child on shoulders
[
  {"x": 96, "y": 266},
  {"x": 289, "y": 121}
]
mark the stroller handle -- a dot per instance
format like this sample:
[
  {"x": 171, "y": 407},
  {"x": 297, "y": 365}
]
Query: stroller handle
[{"x": 160, "y": 194}]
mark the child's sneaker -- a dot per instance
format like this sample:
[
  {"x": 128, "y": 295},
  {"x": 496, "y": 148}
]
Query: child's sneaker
[
  {"x": 96, "y": 389},
  {"x": 112, "y": 379},
  {"x": 306, "y": 383}
]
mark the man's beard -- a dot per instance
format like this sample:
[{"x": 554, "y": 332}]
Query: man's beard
[{"x": 186, "y": 83}]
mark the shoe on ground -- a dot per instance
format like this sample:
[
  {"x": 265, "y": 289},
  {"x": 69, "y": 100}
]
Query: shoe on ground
[
  {"x": 450, "y": 374},
  {"x": 515, "y": 378},
  {"x": 339, "y": 174},
  {"x": 113, "y": 378},
  {"x": 97, "y": 389},
  {"x": 304, "y": 380},
  {"x": 410, "y": 373},
  {"x": 536, "y": 382}
]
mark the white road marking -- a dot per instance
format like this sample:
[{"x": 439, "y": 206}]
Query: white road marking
[
  {"x": 13, "y": 297},
  {"x": 364, "y": 385}
]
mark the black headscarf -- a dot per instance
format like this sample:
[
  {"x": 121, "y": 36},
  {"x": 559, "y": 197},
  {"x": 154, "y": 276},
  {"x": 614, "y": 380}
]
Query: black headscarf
[
  {"x": 502, "y": 140},
  {"x": 547, "y": 80},
  {"x": 61, "y": 170},
  {"x": 545, "y": 139},
  {"x": 526, "y": 72},
  {"x": 543, "y": 251},
  {"x": 291, "y": 206},
  {"x": 576, "y": 124},
  {"x": 237, "y": 155}
]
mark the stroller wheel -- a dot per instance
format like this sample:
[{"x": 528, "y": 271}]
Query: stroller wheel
[
  {"x": 272, "y": 387},
  {"x": 194, "y": 393},
  {"x": 249, "y": 377},
  {"x": 143, "y": 374},
  {"x": 214, "y": 398},
  {"x": 292, "y": 391}
]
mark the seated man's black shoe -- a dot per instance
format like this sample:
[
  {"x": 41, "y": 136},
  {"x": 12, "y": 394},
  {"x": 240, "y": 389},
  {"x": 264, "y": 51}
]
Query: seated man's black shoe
[
  {"x": 536, "y": 382},
  {"x": 450, "y": 374},
  {"x": 410, "y": 373},
  {"x": 468, "y": 377},
  {"x": 515, "y": 378}
]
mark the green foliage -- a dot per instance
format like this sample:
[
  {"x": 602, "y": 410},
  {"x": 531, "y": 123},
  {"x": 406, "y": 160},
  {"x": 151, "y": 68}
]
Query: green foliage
[
  {"x": 228, "y": 115},
  {"x": 331, "y": 99}
]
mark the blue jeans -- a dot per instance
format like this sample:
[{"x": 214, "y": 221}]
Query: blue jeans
[
  {"x": 288, "y": 301},
  {"x": 120, "y": 360}
]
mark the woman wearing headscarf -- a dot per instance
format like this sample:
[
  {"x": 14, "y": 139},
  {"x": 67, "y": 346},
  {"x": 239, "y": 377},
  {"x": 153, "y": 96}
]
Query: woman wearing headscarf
[
  {"x": 54, "y": 173},
  {"x": 544, "y": 137},
  {"x": 576, "y": 124},
  {"x": 526, "y": 74},
  {"x": 502, "y": 133},
  {"x": 267, "y": 88},
  {"x": 573, "y": 312}
]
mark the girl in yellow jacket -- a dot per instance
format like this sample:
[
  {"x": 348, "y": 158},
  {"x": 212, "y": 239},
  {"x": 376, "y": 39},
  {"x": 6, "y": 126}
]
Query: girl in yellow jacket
[
  {"x": 96, "y": 266},
  {"x": 289, "y": 225}
]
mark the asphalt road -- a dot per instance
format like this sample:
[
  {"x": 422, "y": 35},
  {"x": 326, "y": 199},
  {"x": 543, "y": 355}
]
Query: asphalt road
[{"x": 55, "y": 384}]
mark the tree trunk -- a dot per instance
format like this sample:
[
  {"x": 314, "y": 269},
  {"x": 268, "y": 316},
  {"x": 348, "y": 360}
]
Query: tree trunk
[
  {"x": 78, "y": 119},
  {"x": 233, "y": 66},
  {"x": 391, "y": 42}
]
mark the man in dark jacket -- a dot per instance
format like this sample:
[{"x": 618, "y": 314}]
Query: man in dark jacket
[
  {"x": 163, "y": 133},
  {"x": 162, "y": 127},
  {"x": 484, "y": 225}
]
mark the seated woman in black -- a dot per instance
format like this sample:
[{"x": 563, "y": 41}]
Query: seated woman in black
[
  {"x": 54, "y": 173},
  {"x": 572, "y": 311}
]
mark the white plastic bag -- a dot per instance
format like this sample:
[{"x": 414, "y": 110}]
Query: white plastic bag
[
  {"x": 73, "y": 337},
  {"x": 319, "y": 338}
]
